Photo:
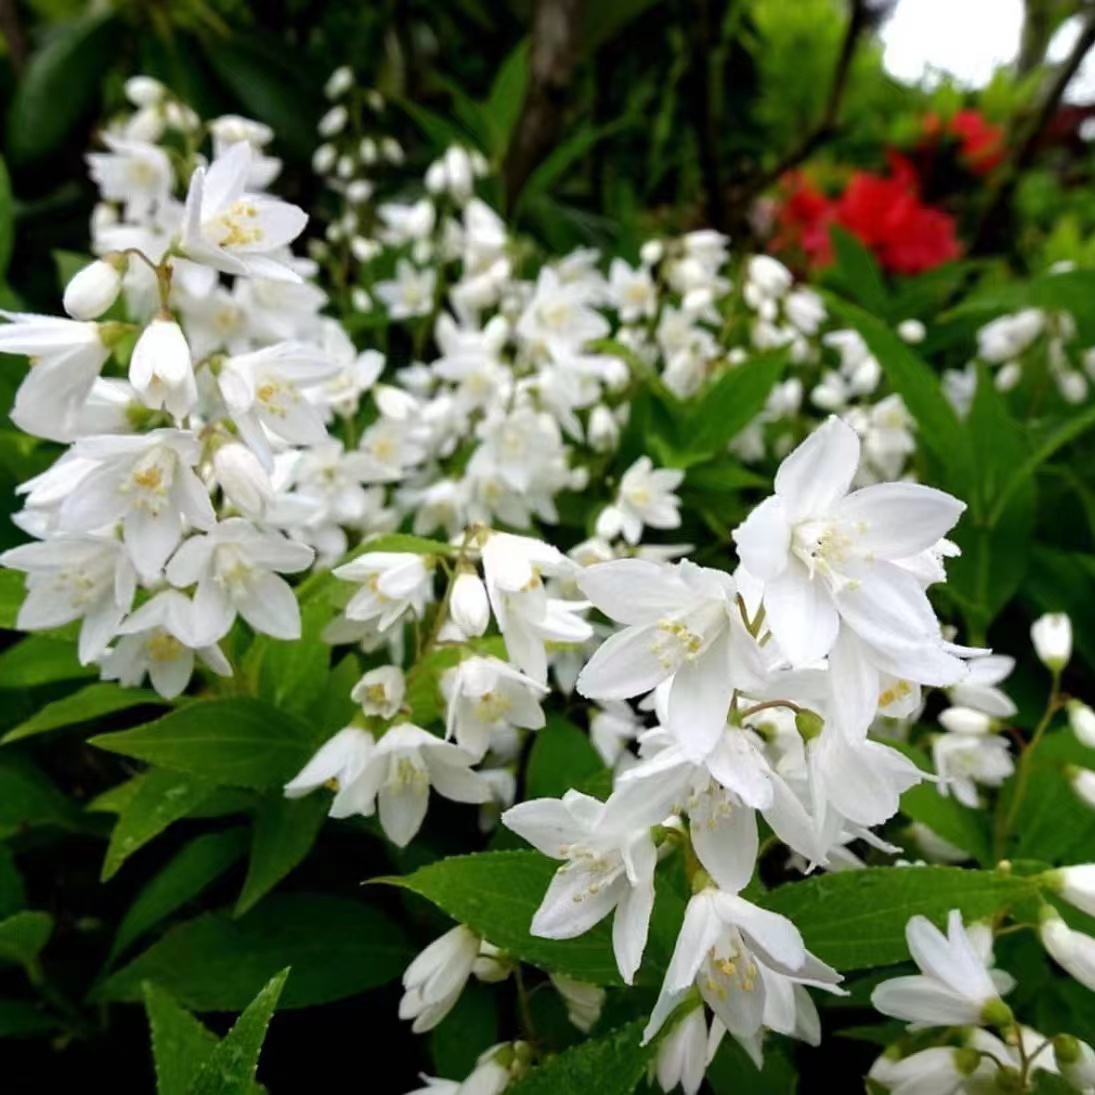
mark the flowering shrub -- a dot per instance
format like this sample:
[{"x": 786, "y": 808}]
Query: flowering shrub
[{"x": 628, "y": 616}]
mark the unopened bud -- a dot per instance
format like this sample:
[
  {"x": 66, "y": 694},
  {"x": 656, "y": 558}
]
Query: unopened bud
[
  {"x": 966, "y": 720},
  {"x": 242, "y": 478},
  {"x": 1082, "y": 720},
  {"x": 94, "y": 288},
  {"x": 468, "y": 605},
  {"x": 809, "y": 724},
  {"x": 1052, "y": 638},
  {"x": 911, "y": 331}
]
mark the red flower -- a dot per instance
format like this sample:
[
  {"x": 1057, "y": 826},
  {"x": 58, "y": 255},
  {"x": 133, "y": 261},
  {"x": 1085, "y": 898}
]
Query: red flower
[
  {"x": 980, "y": 143},
  {"x": 803, "y": 222}
]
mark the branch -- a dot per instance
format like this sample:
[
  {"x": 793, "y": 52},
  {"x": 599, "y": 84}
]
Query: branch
[{"x": 994, "y": 219}]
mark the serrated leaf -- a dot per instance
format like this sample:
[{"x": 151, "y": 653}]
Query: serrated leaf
[
  {"x": 856, "y": 920},
  {"x": 282, "y": 834},
  {"x": 949, "y": 819},
  {"x": 196, "y": 866},
  {"x": 230, "y": 1068},
  {"x": 496, "y": 895},
  {"x": 239, "y": 741},
  {"x": 12, "y": 593},
  {"x": 91, "y": 702},
  {"x": 471, "y": 1026},
  {"x": 180, "y": 1044},
  {"x": 23, "y": 936},
  {"x": 163, "y": 797},
  {"x": 610, "y": 1065},
  {"x": 562, "y": 757},
  {"x": 41, "y": 659},
  {"x": 336, "y": 947}
]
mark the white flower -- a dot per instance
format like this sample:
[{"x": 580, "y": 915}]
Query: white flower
[
  {"x": 234, "y": 567},
  {"x": 723, "y": 943},
  {"x": 434, "y": 981},
  {"x": 147, "y": 483},
  {"x": 340, "y": 759},
  {"x": 559, "y": 319},
  {"x": 234, "y": 231},
  {"x": 410, "y": 293},
  {"x": 1052, "y": 638},
  {"x": 645, "y": 497},
  {"x": 1081, "y": 719},
  {"x": 978, "y": 689},
  {"x": 1072, "y": 950},
  {"x": 92, "y": 290},
  {"x": 242, "y": 478},
  {"x": 632, "y": 291},
  {"x": 1082, "y": 781},
  {"x": 955, "y": 987},
  {"x": 72, "y": 578},
  {"x": 611, "y": 726},
  {"x": 161, "y": 640},
  {"x": 1007, "y": 337},
  {"x": 584, "y": 1002},
  {"x": 393, "y": 583},
  {"x": 911, "y": 331},
  {"x": 397, "y": 775},
  {"x": 527, "y": 617},
  {"x": 485, "y": 695},
  {"x": 963, "y": 761},
  {"x": 682, "y": 622},
  {"x": 339, "y": 82},
  {"x": 161, "y": 370},
  {"x": 682, "y": 1055},
  {"x": 966, "y": 720},
  {"x": 609, "y": 865},
  {"x": 468, "y": 604},
  {"x": 1076, "y": 1061},
  {"x": 380, "y": 691},
  {"x": 144, "y": 90},
  {"x": 132, "y": 172},
  {"x": 266, "y": 388},
  {"x": 938, "y": 1070},
  {"x": 68, "y": 356},
  {"x": 1076, "y": 885}
]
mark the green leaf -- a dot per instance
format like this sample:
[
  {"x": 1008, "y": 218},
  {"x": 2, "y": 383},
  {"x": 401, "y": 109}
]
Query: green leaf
[
  {"x": 733, "y": 1073},
  {"x": 23, "y": 936},
  {"x": 198, "y": 864},
  {"x": 1063, "y": 581},
  {"x": 496, "y": 895},
  {"x": 965, "y": 828},
  {"x": 283, "y": 833},
  {"x": 337, "y": 948},
  {"x": 564, "y": 156},
  {"x": 293, "y": 673},
  {"x": 725, "y": 408},
  {"x": 22, "y": 1019},
  {"x": 7, "y": 220},
  {"x": 180, "y": 1044},
  {"x": 1053, "y": 825},
  {"x": 12, "y": 891},
  {"x": 60, "y": 86},
  {"x": 913, "y": 379},
  {"x": 857, "y": 271},
  {"x": 562, "y": 757},
  {"x": 507, "y": 95},
  {"x": 162, "y": 797},
  {"x": 440, "y": 130},
  {"x": 85, "y": 705},
  {"x": 402, "y": 541},
  {"x": 230, "y": 1068},
  {"x": 12, "y": 592},
  {"x": 41, "y": 659},
  {"x": 857, "y": 919},
  {"x": 238, "y": 741},
  {"x": 28, "y": 798},
  {"x": 471, "y": 1026},
  {"x": 610, "y": 1065}
]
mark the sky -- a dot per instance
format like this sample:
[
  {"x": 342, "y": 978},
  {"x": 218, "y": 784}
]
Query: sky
[{"x": 969, "y": 39}]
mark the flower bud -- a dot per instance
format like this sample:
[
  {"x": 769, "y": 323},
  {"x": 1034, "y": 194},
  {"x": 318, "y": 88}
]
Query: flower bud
[
  {"x": 1072, "y": 950},
  {"x": 339, "y": 82},
  {"x": 1073, "y": 386},
  {"x": 809, "y": 724},
  {"x": 360, "y": 299},
  {"x": 768, "y": 275},
  {"x": 380, "y": 692},
  {"x": 333, "y": 122},
  {"x": 911, "y": 331},
  {"x": 143, "y": 90},
  {"x": 1008, "y": 376},
  {"x": 1076, "y": 1060},
  {"x": 364, "y": 250},
  {"x": 604, "y": 430},
  {"x": 1052, "y": 638},
  {"x": 468, "y": 605},
  {"x": 1082, "y": 781},
  {"x": 161, "y": 370},
  {"x": 1082, "y": 720},
  {"x": 651, "y": 252},
  {"x": 965, "y": 720},
  {"x": 360, "y": 190},
  {"x": 94, "y": 289},
  {"x": 242, "y": 478},
  {"x": 1076, "y": 885},
  {"x": 323, "y": 159}
]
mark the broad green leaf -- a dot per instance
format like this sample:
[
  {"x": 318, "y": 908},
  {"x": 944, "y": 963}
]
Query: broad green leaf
[
  {"x": 471, "y": 1026},
  {"x": 12, "y": 592},
  {"x": 1063, "y": 581},
  {"x": 180, "y": 1044},
  {"x": 282, "y": 834},
  {"x": 22, "y": 1019},
  {"x": 336, "y": 947},
  {"x": 440, "y": 130},
  {"x": 507, "y": 95},
  {"x": 856, "y": 920},
  {"x": 610, "y": 1065},
  {"x": 28, "y": 798},
  {"x": 41, "y": 659},
  {"x": 60, "y": 86},
  {"x": 201, "y": 862},
  {"x": 292, "y": 674},
  {"x": 913, "y": 379},
  {"x": 562, "y": 757},
  {"x": 12, "y": 891},
  {"x": 724, "y": 409},
  {"x": 23, "y": 936},
  {"x": 965, "y": 828},
  {"x": 85, "y": 705},
  {"x": 238, "y": 741},
  {"x": 402, "y": 541},
  {"x": 162, "y": 798},
  {"x": 722, "y": 474},
  {"x": 496, "y": 895},
  {"x": 733, "y": 1073},
  {"x": 230, "y": 1068},
  {"x": 858, "y": 272},
  {"x": 1053, "y": 825}
]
